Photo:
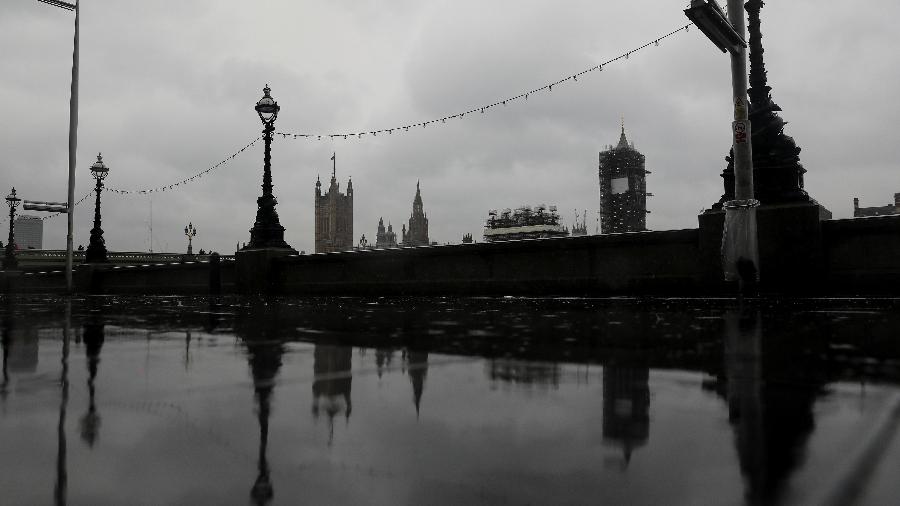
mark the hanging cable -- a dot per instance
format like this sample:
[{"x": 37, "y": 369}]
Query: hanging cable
[
  {"x": 480, "y": 109},
  {"x": 189, "y": 179}
]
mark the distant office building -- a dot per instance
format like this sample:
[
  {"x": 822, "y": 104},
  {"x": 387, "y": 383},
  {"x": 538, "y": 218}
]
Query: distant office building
[
  {"x": 29, "y": 232},
  {"x": 334, "y": 216},
  {"x": 623, "y": 188},
  {"x": 857, "y": 211},
  {"x": 523, "y": 223},
  {"x": 385, "y": 238},
  {"x": 417, "y": 235}
]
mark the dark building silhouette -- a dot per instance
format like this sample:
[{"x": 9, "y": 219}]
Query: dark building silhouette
[
  {"x": 623, "y": 188},
  {"x": 417, "y": 235},
  {"x": 887, "y": 210},
  {"x": 385, "y": 238},
  {"x": 626, "y": 407},
  {"x": 334, "y": 216}
]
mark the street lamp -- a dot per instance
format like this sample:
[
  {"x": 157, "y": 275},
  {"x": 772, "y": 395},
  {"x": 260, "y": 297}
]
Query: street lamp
[
  {"x": 73, "y": 140},
  {"x": 267, "y": 232},
  {"x": 190, "y": 231},
  {"x": 96, "y": 251},
  {"x": 740, "y": 251},
  {"x": 9, "y": 261}
]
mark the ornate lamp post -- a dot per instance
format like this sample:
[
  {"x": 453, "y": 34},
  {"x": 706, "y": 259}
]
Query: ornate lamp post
[
  {"x": 9, "y": 260},
  {"x": 267, "y": 232},
  {"x": 190, "y": 231},
  {"x": 96, "y": 251}
]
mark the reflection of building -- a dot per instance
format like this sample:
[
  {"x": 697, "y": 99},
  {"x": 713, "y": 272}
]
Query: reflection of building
[
  {"x": 331, "y": 386},
  {"x": 626, "y": 407},
  {"x": 524, "y": 372},
  {"x": 417, "y": 235},
  {"x": 385, "y": 238},
  {"x": 623, "y": 188},
  {"x": 383, "y": 357},
  {"x": 334, "y": 216},
  {"x": 523, "y": 223},
  {"x": 417, "y": 368},
  {"x": 857, "y": 211},
  {"x": 29, "y": 232}
]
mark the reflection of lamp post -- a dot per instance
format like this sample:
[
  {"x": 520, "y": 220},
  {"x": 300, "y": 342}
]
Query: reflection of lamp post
[
  {"x": 9, "y": 261},
  {"x": 96, "y": 251},
  {"x": 93, "y": 340},
  {"x": 190, "y": 231},
  {"x": 739, "y": 241},
  {"x": 267, "y": 232}
]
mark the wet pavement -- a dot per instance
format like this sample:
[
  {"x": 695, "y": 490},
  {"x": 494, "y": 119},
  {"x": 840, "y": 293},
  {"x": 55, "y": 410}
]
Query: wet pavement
[{"x": 185, "y": 400}]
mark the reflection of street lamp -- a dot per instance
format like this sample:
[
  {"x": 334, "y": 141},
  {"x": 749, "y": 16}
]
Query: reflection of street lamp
[
  {"x": 94, "y": 336},
  {"x": 267, "y": 232},
  {"x": 96, "y": 251},
  {"x": 73, "y": 139},
  {"x": 190, "y": 232},
  {"x": 739, "y": 240},
  {"x": 9, "y": 260}
]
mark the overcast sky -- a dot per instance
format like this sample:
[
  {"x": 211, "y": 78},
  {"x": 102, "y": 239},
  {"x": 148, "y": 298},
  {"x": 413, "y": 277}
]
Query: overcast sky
[{"x": 168, "y": 88}]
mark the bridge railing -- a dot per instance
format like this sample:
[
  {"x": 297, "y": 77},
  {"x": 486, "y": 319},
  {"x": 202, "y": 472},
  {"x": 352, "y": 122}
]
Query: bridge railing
[{"x": 44, "y": 258}]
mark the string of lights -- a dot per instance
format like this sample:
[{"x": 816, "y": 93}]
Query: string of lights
[
  {"x": 189, "y": 179},
  {"x": 482, "y": 109},
  {"x": 405, "y": 128}
]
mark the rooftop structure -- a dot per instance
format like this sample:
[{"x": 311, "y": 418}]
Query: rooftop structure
[
  {"x": 858, "y": 212},
  {"x": 523, "y": 223}
]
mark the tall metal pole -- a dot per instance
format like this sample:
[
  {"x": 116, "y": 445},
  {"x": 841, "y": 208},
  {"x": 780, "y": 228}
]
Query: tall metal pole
[
  {"x": 743, "y": 153},
  {"x": 73, "y": 147},
  {"x": 740, "y": 247}
]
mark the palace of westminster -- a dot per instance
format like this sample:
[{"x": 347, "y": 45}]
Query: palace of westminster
[{"x": 623, "y": 208}]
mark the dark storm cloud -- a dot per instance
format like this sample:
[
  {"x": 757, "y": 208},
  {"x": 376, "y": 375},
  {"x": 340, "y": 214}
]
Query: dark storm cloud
[{"x": 167, "y": 91}]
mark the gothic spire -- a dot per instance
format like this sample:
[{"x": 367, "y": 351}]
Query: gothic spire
[{"x": 623, "y": 142}]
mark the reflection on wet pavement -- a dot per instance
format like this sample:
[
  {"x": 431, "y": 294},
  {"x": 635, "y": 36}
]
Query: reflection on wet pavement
[{"x": 185, "y": 400}]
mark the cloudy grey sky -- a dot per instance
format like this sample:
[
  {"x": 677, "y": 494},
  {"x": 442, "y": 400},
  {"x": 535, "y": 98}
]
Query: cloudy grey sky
[{"x": 168, "y": 88}]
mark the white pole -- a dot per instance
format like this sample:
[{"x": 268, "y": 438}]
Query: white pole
[
  {"x": 739, "y": 242},
  {"x": 73, "y": 148},
  {"x": 743, "y": 155}
]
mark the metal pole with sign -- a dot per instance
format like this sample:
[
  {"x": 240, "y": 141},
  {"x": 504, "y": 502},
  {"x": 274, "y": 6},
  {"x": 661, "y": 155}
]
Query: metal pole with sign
[{"x": 740, "y": 252}]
